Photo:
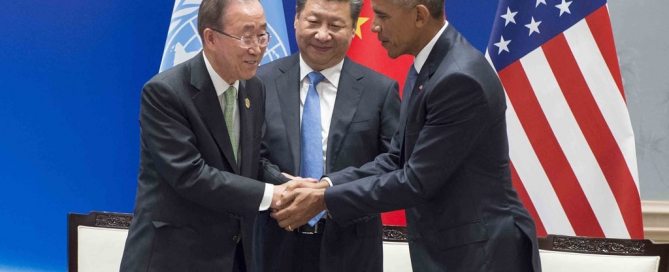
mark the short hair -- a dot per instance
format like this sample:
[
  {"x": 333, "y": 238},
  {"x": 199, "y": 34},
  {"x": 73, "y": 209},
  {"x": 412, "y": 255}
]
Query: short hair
[
  {"x": 356, "y": 7},
  {"x": 211, "y": 12},
  {"x": 436, "y": 7}
]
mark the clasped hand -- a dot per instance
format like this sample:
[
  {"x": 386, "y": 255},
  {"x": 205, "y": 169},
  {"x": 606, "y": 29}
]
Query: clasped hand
[{"x": 297, "y": 201}]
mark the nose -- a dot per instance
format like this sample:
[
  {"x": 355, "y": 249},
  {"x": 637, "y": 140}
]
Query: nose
[
  {"x": 255, "y": 49},
  {"x": 323, "y": 34}
]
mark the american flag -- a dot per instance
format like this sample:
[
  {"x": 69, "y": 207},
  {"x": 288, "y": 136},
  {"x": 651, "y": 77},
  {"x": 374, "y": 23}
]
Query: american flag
[{"x": 571, "y": 144}]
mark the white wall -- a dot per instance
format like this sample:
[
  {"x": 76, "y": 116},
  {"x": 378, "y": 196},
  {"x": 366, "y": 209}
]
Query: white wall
[{"x": 641, "y": 31}]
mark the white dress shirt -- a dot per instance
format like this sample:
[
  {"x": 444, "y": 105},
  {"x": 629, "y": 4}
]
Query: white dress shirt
[{"x": 221, "y": 86}]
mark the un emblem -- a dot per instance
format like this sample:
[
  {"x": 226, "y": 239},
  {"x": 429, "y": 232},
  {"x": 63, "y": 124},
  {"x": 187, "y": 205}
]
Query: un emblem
[{"x": 183, "y": 41}]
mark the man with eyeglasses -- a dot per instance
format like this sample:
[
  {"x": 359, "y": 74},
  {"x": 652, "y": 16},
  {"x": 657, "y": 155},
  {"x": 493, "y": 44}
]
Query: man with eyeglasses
[
  {"x": 324, "y": 113},
  {"x": 200, "y": 129}
]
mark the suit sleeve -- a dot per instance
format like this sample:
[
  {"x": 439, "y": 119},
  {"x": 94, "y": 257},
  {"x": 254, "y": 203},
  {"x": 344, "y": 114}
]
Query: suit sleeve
[
  {"x": 270, "y": 172},
  {"x": 166, "y": 133},
  {"x": 456, "y": 113}
]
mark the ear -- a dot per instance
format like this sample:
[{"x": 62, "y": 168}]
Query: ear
[
  {"x": 296, "y": 19},
  {"x": 208, "y": 38},
  {"x": 353, "y": 31},
  {"x": 422, "y": 15}
]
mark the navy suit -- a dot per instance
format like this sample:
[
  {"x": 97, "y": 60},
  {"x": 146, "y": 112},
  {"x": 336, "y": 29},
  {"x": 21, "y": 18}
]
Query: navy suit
[
  {"x": 364, "y": 119},
  {"x": 449, "y": 166},
  {"x": 194, "y": 202}
]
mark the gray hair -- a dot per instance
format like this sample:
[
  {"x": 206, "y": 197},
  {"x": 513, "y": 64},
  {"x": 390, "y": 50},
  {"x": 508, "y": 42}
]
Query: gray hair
[
  {"x": 211, "y": 13},
  {"x": 356, "y": 7}
]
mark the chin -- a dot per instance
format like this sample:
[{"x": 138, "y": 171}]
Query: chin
[
  {"x": 249, "y": 74},
  {"x": 393, "y": 55}
]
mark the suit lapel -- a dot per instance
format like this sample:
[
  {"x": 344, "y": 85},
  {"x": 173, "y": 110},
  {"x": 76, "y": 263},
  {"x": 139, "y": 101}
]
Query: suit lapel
[
  {"x": 434, "y": 59},
  {"x": 288, "y": 88},
  {"x": 346, "y": 105},
  {"x": 206, "y": 101},
  {"x": 246, "y": 108}
]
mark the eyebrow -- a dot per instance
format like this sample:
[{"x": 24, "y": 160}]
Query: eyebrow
[
  {"x": 250, "y": 27},
  {"x": 322, "y": 15},
  {"x": 378, "y": 12}
]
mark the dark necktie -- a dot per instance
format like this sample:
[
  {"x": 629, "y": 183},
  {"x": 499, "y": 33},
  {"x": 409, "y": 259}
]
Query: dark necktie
[{"x": 412, "y": 75}]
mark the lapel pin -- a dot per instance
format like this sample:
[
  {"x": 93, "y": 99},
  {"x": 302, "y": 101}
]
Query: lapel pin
[
  {"x": 420, "y": 87},
  {"x": 247, "y": 103}
]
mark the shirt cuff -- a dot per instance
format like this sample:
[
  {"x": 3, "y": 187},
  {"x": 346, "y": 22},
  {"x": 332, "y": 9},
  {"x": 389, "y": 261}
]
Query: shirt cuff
[
  {"x": 267, "y": 197},
  {"x": 328, "y": 180}
]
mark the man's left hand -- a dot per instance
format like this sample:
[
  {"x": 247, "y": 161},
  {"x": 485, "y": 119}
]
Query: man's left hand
[{"x": 298, "y": 206}]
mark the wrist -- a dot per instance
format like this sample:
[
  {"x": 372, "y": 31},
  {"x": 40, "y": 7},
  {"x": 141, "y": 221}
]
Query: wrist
[
  {"x": 321, "y": 198},
  {"x": 327, "y": 181}
]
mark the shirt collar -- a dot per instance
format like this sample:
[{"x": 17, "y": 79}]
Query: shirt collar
[
  {"x": 421, "y": 58},
  {"x": 219, "y": 84},
  {"x": 331, "y": 74}
]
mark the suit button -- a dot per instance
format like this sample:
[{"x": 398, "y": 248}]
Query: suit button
[{"x": 235, "y": 238}]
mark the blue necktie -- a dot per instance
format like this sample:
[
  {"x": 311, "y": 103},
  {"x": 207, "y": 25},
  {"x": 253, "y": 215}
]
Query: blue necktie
[{"x": 311, "y": 143}]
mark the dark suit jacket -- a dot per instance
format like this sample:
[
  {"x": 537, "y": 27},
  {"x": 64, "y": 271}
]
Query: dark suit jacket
[
  {"x": 194, "y": 203},
  {"x": 365, "y": 118},
  {"x": 449, "y": 166}
]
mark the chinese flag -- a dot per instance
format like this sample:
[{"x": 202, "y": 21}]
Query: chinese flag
[{"x": 367, "y": 50}]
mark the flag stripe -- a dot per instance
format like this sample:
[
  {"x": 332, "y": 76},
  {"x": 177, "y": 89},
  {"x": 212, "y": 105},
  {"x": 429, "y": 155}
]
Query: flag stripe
[
  {"x": 570, "y": 138},
  {"x": 576, "y": 86},
  {"x": 600, "y": 27},
  {"x": 548, "y": 150},
  {"x": 604, "y": 91},
  {"x": 525, "y": 198},
  {"x": 535, "y": 181},
  {"x": 587, "y": 137}
]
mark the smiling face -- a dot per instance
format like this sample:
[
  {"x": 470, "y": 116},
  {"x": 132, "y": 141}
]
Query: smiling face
[
  {"x": 324, "y": 30},
  {"x": 231, "y": 60},
  {"x": 395, "y": 28}
]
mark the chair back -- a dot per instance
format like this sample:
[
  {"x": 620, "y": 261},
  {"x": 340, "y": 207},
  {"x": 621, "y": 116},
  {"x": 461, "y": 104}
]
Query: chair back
[
  {"x": 574, "y": 254},
  {"x": 96, "y": 240}
]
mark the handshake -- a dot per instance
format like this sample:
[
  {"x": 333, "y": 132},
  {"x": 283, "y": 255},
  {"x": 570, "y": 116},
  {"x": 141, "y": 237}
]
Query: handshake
[{"x": 297, "y": 201}]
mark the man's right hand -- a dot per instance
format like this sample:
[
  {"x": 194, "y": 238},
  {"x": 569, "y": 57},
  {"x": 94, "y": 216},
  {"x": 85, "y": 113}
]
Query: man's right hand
[{"x": 295, "y": 182}]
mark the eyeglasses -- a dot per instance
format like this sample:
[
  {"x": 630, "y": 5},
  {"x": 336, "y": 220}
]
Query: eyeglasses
[{"x": 248, "y": 41}]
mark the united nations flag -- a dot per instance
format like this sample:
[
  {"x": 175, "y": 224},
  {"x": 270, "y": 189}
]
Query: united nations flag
[{"x": 183, "y": 41}]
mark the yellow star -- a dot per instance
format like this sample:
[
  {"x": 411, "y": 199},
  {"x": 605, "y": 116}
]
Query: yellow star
[{"x": 361, "y": 21}]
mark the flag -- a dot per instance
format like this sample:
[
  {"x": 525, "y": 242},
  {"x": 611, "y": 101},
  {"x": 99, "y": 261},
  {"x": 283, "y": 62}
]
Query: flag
[
  {"x": 367, "y": 50},
  {"x": 183, "y": 41},
  {"x": 570, "y": 137}
]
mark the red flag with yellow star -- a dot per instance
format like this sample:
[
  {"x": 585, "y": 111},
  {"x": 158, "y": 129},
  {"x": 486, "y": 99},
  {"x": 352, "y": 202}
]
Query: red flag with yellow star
[{"x": 367, "y": 50}]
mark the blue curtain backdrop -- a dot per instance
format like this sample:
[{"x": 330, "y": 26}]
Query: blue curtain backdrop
[{"x": 70, "y": 77}]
